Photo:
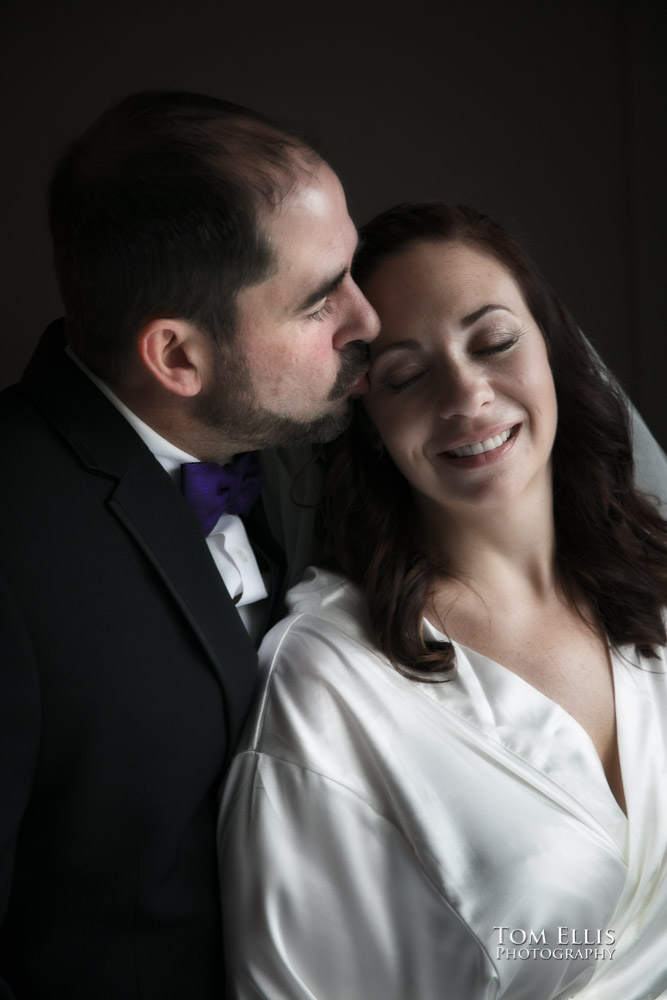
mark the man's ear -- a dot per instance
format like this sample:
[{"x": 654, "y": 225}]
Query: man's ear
[{"x": 173, "y": 352}]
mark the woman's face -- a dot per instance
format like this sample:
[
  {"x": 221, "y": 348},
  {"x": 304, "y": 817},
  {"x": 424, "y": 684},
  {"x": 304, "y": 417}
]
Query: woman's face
[{"x": 461, "y": 392}]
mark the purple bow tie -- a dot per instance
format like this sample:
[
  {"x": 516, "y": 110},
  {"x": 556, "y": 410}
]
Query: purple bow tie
[{"x": 211, "y": 489}]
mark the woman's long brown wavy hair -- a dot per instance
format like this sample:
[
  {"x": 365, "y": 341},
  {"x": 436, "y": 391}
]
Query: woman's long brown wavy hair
[{"x": 611, "y": 542}]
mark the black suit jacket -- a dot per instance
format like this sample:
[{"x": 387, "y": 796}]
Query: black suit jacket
[{"x": 125, "y": 677}]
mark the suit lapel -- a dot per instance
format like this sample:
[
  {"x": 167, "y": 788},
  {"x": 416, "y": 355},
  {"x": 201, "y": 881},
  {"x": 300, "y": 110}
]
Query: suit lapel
[
  {"x": 156, "y": 515},
  {"x": 151, "y": 510}
]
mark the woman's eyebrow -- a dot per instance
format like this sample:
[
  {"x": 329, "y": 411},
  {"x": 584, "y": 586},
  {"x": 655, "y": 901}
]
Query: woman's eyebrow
[
  {"x": 414, "y": 345},
  {"x": 478, "y": 313}
]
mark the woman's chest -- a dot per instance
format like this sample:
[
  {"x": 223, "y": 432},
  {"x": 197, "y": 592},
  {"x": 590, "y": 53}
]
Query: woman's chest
[{"x": 559, "y": 656}]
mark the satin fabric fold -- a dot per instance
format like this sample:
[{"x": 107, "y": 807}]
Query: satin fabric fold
[{"x": 385, "y": 839}]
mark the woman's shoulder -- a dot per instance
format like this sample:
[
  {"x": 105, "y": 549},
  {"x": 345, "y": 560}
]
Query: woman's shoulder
[
  {"x": 318, "y": 665},
  {"x": 330, "y": 597},
  {"x": 325, "y": 611}
]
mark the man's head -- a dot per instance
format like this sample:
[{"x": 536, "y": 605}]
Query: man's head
[
  {"x": 300, "y": 342},
  {"x": 192, "y": 234}
]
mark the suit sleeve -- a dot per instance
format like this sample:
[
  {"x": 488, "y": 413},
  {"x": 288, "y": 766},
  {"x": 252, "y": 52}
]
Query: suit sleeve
[
  {"x": 19, "y": 740},
  {"x": 324, "y": 899}
]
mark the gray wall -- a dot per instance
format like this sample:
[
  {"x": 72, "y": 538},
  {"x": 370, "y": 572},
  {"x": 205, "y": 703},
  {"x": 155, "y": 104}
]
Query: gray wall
[{"x": 548, "y": 114}]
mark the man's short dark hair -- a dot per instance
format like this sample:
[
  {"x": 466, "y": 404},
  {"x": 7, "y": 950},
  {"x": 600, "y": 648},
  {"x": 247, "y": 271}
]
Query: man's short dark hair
[{"x": 155, "y": 211}]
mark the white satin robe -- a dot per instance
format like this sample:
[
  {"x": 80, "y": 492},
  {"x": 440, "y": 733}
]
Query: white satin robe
[{"x": 377, "y": 834}]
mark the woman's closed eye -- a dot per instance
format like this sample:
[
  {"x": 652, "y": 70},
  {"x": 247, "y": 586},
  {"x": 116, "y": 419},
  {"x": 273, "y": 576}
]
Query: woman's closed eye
[
  {"x": 403, "y": 377},
  {"x": 499, "y": 347},
  {"x": 400, "y": 381}
]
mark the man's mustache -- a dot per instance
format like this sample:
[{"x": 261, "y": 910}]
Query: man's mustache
[{"x": 355, "y": 359}]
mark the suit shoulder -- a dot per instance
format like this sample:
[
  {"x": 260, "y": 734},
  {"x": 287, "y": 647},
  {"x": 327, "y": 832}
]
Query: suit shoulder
[{"x": 27, "y": 436}]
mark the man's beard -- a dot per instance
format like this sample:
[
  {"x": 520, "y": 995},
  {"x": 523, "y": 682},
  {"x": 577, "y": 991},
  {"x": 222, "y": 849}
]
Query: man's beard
[{"x": 230, "y": 407}]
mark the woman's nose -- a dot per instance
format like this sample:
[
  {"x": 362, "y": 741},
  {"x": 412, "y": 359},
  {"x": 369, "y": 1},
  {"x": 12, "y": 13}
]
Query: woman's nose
[{"x": 463, "y": 391}]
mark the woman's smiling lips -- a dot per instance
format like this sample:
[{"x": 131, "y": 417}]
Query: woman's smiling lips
[{"x": 491, "y": 448}]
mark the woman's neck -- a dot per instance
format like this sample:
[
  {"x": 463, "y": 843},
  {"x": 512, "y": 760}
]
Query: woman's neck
[{"x": 501, "y": 554}]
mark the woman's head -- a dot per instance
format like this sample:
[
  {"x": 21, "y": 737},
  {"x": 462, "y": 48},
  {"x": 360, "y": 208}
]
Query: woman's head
[
  {"x": 406, "y": 231},
  {"x": 461, "y": 391}
]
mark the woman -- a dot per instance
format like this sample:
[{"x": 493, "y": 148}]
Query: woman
[{"x": 455, "y": 782}]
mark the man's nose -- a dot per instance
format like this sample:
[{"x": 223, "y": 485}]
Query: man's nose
[{"x": 361, "y": 321}]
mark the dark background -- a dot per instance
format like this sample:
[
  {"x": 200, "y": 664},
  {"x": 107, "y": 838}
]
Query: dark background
[{"x": 550, "y": 115}]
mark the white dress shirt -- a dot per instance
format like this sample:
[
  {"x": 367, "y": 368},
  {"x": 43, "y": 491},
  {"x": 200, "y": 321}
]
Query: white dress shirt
[
  {"x": 452, "y": 841},
  {"x": 228, "y": 542}
]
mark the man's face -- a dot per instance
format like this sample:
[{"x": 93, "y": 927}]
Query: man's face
[{"x": 300, "y": 347}]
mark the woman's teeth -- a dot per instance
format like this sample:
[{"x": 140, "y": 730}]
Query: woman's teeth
[{"x": 480, "y": 446}]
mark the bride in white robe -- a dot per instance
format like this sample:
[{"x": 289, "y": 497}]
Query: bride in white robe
[{"x": 496, "y": 828}]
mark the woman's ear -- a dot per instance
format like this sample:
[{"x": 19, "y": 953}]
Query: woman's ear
[{"x": 173, "y": 352}]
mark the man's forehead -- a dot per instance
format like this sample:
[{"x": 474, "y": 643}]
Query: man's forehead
[{"x": 312, "y": 223}]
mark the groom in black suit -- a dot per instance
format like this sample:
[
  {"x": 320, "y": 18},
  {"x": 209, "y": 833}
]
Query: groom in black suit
[{"x": 203, "y": 256}]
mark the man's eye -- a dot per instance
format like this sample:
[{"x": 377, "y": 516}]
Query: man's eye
[{"x": 322, "y": 312}]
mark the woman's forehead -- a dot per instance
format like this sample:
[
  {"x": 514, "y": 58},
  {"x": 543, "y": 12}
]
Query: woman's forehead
[{"x": 430, "y": 275}]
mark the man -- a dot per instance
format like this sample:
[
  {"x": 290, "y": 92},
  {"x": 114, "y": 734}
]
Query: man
[{"x": 203, "y": 256}]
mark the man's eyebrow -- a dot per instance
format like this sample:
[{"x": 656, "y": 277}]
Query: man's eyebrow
[
  {"x": 326, "y": 288},
  {"x": 478, "y": 313}
]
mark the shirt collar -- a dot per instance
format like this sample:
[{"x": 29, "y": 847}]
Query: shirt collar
[{"x": 167, "y": 454}]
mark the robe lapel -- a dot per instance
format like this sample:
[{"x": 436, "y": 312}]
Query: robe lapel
[{"x": 507, "y": 719}]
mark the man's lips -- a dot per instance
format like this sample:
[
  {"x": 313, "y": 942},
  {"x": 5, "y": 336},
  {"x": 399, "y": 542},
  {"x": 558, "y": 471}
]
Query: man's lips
[
  {"x": 361, "y": 386},
  {"x": 352, "y": 374}
]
